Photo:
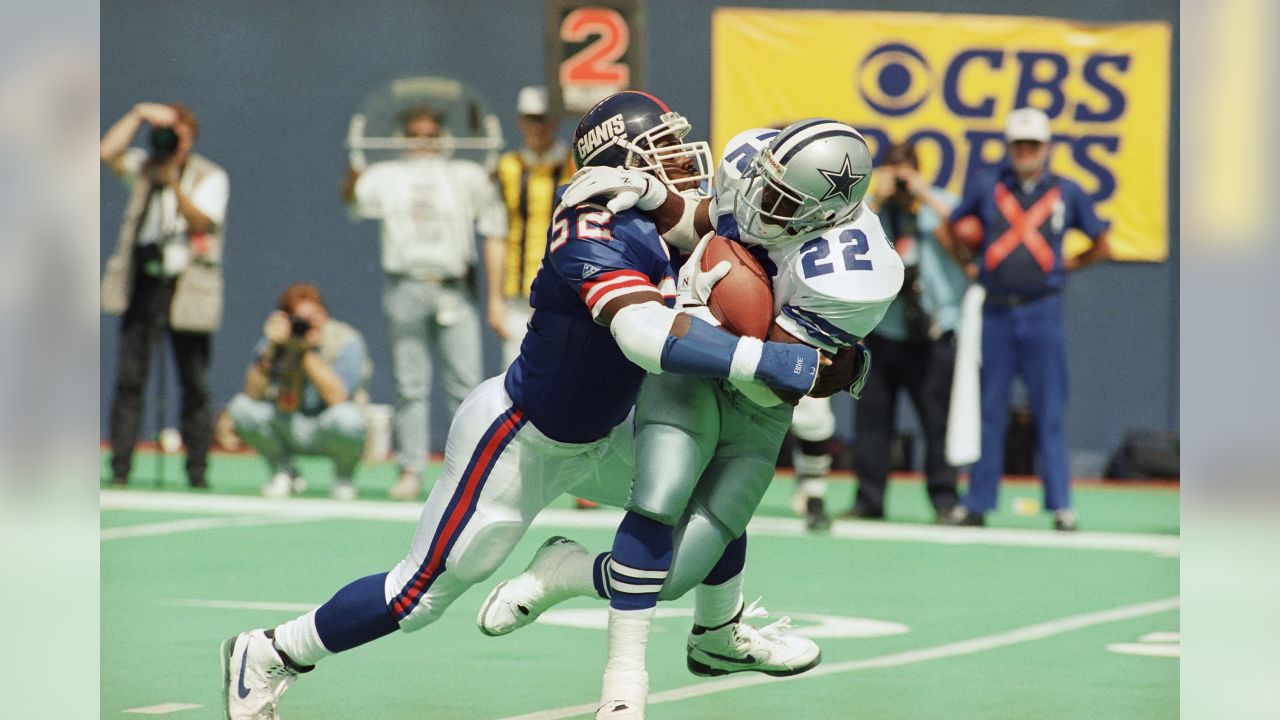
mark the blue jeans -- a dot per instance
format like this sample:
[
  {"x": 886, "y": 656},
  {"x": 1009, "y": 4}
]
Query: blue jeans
[{"x": 1029, "y": 340}]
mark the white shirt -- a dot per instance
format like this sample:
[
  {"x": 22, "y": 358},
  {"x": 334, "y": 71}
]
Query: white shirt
[{"x": 430, "y": 209}]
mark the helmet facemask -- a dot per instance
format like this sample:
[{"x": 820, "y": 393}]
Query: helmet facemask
[
  {"x": 772, "y": 211},
  {"x": 653, "y": 150}
]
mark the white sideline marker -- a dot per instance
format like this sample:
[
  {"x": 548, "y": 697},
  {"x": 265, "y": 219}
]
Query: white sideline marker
[{"x": 301, "y": 509}]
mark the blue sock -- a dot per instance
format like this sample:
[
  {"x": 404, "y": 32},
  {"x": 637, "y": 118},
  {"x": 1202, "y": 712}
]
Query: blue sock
[
  {"x": 731, "y": 562},
  {"x": 599, "y": 574},
  {"x": 641, "y": 559},
  {"x": 355, "y": 615}
]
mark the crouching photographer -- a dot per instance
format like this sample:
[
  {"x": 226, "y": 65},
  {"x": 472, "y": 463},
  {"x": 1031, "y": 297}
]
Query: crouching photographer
[{"x": 303, "y": 393}]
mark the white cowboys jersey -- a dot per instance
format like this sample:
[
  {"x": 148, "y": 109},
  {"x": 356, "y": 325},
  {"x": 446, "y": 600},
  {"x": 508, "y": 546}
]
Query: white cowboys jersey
[{"x": 829, "y": 289}]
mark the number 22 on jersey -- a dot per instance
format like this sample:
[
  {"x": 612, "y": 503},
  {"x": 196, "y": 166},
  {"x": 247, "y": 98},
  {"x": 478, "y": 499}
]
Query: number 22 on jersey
[{"x": 815, "y": 261}]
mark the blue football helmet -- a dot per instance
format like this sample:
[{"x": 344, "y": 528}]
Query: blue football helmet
[{"x": 635, "y": 130}]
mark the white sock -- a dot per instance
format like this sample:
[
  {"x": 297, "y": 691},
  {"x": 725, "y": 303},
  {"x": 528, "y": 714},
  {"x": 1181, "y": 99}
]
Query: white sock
[
  {"x": 628, "y": 637},
  {"x": 299, "y": 640},
  {"x": 814, "y": 487},
  {"x": 715, "y": 605}
]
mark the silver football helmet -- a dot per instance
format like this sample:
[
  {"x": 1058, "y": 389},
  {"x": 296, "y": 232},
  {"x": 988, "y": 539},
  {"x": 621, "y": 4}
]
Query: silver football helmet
[{"x": 810, "y": 178}]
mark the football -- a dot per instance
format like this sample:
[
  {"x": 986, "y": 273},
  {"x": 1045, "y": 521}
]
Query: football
[
  {"x": 968, "y": 230},
  {"x": 743, "y": 300}
]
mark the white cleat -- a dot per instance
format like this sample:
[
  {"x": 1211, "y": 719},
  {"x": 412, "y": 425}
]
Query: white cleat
[
  {"x": 254, "y": 676},
  {"x": 278, "y": 486},
  {"x": 407, "y": 487},
  {"x": 344, "y": 490},
  {"x": 739, "y": 647},
  {"x": 519, "y": 601},
  {"x": 627, "y": 693}
]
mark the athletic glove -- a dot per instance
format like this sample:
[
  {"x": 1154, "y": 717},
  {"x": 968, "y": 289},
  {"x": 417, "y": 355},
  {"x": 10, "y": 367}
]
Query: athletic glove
[
  {"x": 624, "y": 188},
  {"x": 693, "y": 288}
]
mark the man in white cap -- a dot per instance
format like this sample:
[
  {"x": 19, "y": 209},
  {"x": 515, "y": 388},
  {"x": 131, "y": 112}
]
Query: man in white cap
[
  {"x": 528, "y": 178},
  {"x": 1024, "y": 211}
]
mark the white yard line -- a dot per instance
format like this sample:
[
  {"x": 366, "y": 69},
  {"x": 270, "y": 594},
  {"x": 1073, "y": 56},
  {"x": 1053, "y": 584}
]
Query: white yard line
[
  {"x": 318, "y": 508},
  {"x": 1017, "y": 636},
  {"x": 163, "y": 709},
  {"x": 246, "y": 605},
  {"x": 177, "y": 526}
]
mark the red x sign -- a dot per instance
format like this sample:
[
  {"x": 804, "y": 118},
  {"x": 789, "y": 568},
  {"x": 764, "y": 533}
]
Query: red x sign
[{"x": 1024, "y": 228}]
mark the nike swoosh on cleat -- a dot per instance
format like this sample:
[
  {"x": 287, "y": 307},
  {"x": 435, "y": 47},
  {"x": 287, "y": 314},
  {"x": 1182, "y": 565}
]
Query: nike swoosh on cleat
[
  {"x": 748, "y": 660},
  {"x": 241, "y": 690}
]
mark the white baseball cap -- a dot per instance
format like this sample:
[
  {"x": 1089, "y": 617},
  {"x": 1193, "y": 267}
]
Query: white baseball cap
[
  {"x": 1027, "y": 124},
  {"x": 532, "y": 100}
]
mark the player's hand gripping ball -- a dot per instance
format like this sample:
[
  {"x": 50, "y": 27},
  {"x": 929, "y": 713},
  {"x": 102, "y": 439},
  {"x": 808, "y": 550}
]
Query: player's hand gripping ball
[{"x": 743, "y": 299}]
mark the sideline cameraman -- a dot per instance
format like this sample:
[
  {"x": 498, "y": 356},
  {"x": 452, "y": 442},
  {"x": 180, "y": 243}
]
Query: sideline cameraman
[
  {"x": 302, "y": 394},
  {"x": 914, "y": 345},
  {"x": 165, "y": 273}
]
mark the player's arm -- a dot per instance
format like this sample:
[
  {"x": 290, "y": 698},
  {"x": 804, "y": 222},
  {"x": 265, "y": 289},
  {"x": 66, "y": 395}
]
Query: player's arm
[
  {"x": 652, "y": 335},
  {"x": 681, "y": 222},
  {"x": 661, "y": 339}
]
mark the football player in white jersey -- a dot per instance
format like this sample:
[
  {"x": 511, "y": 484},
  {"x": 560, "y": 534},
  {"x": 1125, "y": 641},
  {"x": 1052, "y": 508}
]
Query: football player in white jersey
[{"x": 794, "y": 198}]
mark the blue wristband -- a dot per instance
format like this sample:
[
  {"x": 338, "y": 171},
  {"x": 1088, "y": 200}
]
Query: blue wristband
[
  {"x": 703, "y": 351},
  {"x": 788, "y": 366}
]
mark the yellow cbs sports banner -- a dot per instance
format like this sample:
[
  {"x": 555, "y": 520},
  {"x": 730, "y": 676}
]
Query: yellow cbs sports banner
[{"x": 946, "y": 82}]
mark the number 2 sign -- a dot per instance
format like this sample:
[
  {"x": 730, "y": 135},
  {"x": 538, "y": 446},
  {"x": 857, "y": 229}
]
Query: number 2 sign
[{"x": 594, "y": 49}]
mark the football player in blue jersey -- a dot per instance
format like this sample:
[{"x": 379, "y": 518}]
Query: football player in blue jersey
[
  {"x": 705, "y": 447},
  {"x": 555, "y": 422}
]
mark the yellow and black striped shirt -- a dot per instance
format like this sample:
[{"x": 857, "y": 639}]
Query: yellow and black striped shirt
[{"x": 528, "y": 189}]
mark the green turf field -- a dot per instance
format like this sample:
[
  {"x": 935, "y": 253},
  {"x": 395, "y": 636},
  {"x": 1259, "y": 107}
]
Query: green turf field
[{"x": 915, "y": 621}]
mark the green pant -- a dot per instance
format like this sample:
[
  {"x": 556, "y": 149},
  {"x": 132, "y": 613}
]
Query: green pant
[{"x": 704, "y": 456}]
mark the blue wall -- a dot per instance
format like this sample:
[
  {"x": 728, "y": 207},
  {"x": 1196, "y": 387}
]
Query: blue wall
[{"x": 276, "y": 83}]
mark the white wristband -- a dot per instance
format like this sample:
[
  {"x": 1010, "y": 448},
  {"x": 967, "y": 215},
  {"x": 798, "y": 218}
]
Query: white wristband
[
  {"x": 655, "y": 193},
  {"x": 746, "y": 358}
]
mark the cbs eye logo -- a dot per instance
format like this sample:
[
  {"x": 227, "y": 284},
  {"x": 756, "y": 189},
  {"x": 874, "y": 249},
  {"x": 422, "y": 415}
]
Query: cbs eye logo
[{"x": 894, "y": 79}]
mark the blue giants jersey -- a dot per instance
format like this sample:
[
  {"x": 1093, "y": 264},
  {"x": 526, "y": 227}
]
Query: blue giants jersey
[{"x": 571, "y": 380}]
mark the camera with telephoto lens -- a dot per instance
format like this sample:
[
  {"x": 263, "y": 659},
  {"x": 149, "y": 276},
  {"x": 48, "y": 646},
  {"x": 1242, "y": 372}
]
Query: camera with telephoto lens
[
  {"x": 164, "y": 143},
  {"x": 300, "y": 326}
]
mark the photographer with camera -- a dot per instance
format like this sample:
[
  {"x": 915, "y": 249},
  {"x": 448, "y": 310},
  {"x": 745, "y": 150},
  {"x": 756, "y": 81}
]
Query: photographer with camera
[
  {"x": 303, "y": 393},
  {"x": 914, "y": 345},
  {"x": 165, "y": 273}
]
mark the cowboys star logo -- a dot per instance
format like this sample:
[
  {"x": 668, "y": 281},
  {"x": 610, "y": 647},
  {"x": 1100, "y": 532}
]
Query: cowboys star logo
[{"x": 842, "y": 181}]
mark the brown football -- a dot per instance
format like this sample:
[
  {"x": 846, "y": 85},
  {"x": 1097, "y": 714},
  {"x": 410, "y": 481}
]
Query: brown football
[
  {"x": 968, "y": 230},
  {"x": 743, "y": 300}
]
